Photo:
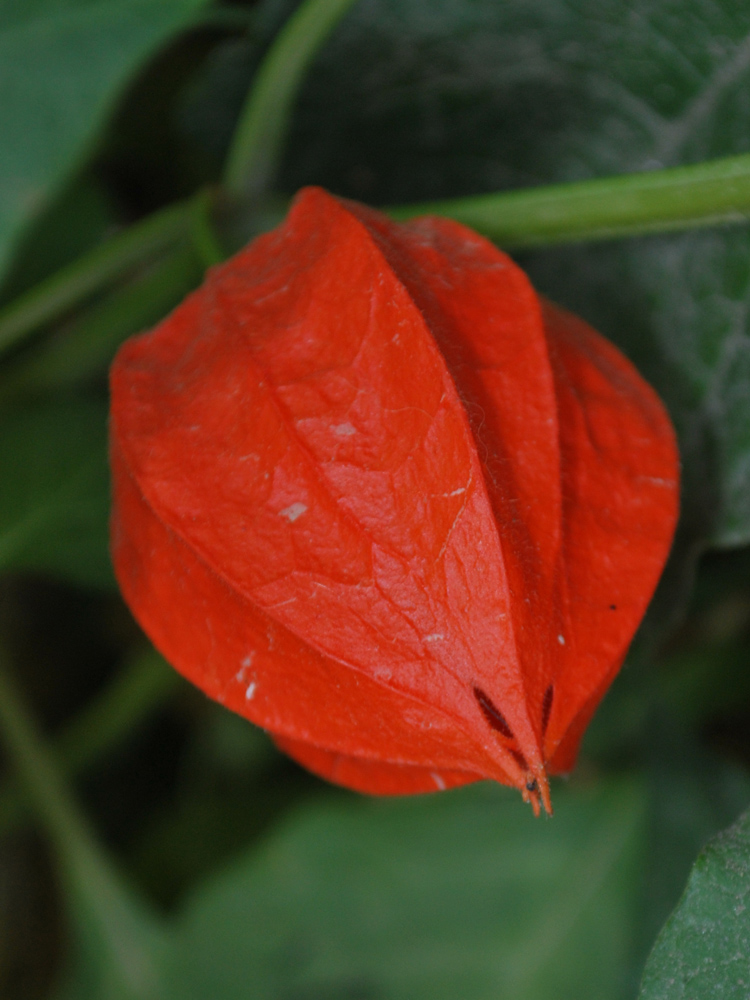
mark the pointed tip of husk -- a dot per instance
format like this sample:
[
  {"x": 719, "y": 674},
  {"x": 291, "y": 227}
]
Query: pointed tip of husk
[{"x": 536, "y": 793}]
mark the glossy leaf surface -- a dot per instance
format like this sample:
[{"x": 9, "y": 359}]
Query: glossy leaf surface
[
  {"x": 62, "y": 66},
  {"x": 416, "y": 100}
]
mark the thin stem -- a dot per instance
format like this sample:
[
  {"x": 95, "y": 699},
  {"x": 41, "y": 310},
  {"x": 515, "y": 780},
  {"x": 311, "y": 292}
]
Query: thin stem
[
  {"x": 136, "y": 692},
  {"x": 705, "y": 194},
  {"x": 125, "y": 932},
  {"x": 52, "y": 801},
  {"x": 86, "y": 347},
  {"x": 202, "y": 231},
  {"x": 264, "y": 122},
  {"x": 86, "y": 275}
]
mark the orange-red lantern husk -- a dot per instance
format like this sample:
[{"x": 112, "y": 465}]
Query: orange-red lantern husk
[{"x": 375, "y": 495}]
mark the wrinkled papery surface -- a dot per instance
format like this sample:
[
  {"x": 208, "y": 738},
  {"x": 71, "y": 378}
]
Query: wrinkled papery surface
[{"x": 373, "y": 494}]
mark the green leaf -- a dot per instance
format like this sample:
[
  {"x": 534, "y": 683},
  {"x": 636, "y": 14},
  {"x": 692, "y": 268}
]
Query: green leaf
[
  {"x": 692, "y": 795},
  {"x": 422, "y": 99},
  {"x": 678, "y": 307},
  {"x": 704, "y": 950},
  {"x": 459, "y": 895},
  {"x": 54, "y": 491},
  {"x": 63, "y": 64}
]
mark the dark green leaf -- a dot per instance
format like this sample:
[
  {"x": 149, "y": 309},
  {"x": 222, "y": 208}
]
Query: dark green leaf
[
  {"x": 459, "y": 895},
  {"x": 678, "y": 306},
  {"x": 692, "y": 792},
  {"x": 417, "y": 99},
  {"x": 704, "y": 950},
  {"x": 692, "y": 795},
  {"x": 62, "y": 65},
  {"x": 54, "y": 491}
]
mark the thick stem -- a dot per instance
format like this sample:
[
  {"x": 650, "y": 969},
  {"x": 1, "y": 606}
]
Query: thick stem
[
  {"x": 264, "y": 122},
  {"x": 704, "y": 194}
]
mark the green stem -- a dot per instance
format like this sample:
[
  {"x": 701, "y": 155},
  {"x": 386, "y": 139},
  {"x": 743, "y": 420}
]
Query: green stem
[
  {"x": 86, "y": 348},
  {"x": 86, "y": 275},
  {"x": 52, "y": 802},
  {"x": 126, "y": 933},
  {"x": 264, "y": 122},
  {"x": 705, "y": 194},
  {"x": 202, "y": 231},
  {"x": 135, "y": 693}
]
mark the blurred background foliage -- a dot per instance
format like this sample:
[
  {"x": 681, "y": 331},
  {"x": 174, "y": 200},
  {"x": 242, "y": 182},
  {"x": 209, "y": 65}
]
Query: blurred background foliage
[{"x": 242, "y": 875}]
